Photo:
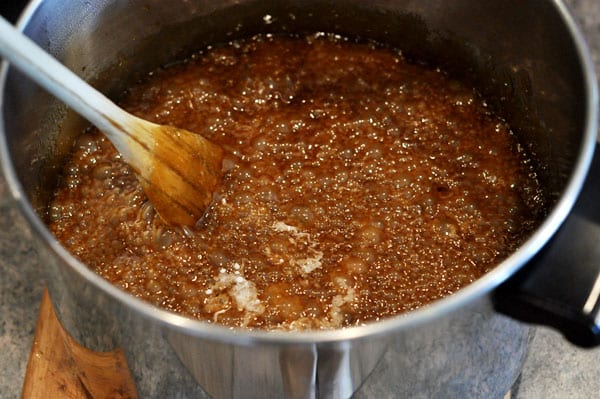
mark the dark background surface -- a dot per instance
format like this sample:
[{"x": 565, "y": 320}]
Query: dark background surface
[{"x": 10, "y": 9}]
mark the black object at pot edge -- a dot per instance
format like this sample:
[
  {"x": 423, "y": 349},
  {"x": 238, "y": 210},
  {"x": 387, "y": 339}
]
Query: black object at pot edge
[{"x": 560, "y": 286}]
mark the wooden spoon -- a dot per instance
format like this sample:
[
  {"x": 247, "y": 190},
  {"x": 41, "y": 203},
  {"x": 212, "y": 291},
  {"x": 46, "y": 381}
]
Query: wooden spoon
[{"x": 178, "y": 170}]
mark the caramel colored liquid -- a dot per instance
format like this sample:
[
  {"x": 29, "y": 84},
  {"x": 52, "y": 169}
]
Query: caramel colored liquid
[{"x": 356, "y": 186}]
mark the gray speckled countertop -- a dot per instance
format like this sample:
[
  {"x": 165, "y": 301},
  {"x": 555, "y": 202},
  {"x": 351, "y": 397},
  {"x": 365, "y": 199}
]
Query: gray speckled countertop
[{"x": 554, "y": 369}]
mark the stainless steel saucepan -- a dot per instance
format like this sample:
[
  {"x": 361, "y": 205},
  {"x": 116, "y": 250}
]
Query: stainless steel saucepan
[{"x": 525, "y": 56}]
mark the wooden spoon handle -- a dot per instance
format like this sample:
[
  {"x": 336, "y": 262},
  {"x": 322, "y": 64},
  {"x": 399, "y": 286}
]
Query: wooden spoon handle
[
  {"x": 179, "y": 170},
  {"x": 44, "y": 69}
]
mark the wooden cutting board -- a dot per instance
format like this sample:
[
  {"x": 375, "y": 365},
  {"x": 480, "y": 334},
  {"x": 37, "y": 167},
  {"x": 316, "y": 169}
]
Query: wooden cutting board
[{"x": 61, "y": 368}]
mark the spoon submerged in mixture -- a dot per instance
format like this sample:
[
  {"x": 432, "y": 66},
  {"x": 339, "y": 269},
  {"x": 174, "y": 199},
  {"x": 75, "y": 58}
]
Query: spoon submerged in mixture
[{"x": 178, "y": 170}]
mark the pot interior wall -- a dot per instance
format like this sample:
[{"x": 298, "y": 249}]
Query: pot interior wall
[{"x": 534, "y": 83}]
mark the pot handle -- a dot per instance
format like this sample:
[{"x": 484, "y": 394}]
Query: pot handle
[{"x": 560, "y": 286}]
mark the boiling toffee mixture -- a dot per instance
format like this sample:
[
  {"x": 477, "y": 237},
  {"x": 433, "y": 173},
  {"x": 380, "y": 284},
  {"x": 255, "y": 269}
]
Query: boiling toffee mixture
[{"x": 356, "y": 186}]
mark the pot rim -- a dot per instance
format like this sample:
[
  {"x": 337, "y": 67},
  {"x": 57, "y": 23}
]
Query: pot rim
[{"x": 437, "y": 309}]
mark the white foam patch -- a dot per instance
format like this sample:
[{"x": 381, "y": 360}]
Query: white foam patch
[
  {"x": 335, "y": 316},
  {"x": 310, "y": 262},
  {"x": 242, "y": 291},
  {"x": 335, "y": 312}
]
